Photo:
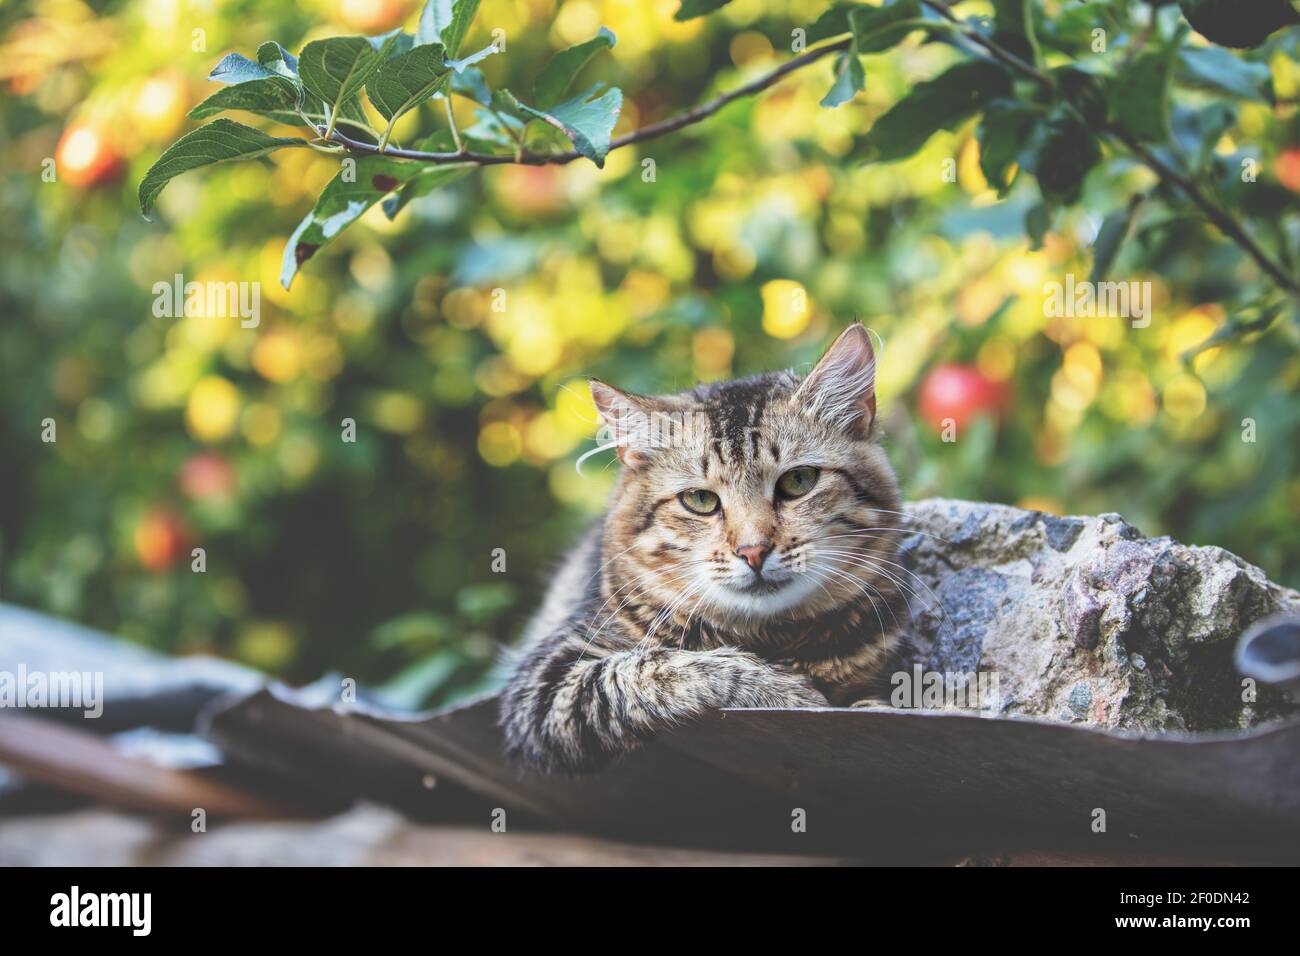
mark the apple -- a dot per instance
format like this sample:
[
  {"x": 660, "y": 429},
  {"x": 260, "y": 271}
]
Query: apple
[
  {"x": 373, "y": 16},
  {"x": 160, "y": 539},
  {"x": 1287, "y": 167},
  {"x": 531, "y": 190},
  {"x": 206, "y": 475},
  {"x": 86, "y": 156},
  {"x": 962, "y": 393}
]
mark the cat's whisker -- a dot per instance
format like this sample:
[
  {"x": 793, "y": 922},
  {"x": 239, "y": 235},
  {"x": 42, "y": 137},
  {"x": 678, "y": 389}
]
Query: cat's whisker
[
  {"x": 682, "y": 566},
  {"x": 903, "y": 586},
  {"x": 887, "y": 511},
  {"x": 867, "y": 591},
  {"x": 869, "y": 562},
  {"x": 649, "y": 573},
  {"x": 671, "y": 608},
  {"x": 681, "y": 641},
  {"x": 899, "y": 531}
]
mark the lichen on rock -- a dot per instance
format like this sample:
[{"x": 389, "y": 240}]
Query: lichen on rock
[{"x": 1085, "y": 620}]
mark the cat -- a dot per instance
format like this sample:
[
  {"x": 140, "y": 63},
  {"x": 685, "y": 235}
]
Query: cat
[{"x": 744, "y": 561}]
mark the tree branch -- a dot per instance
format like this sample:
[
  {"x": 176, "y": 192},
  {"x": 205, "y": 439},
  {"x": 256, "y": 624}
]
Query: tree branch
[
  {"x": 1215, "y": 213},
  {"x": 653, "y": 131}
]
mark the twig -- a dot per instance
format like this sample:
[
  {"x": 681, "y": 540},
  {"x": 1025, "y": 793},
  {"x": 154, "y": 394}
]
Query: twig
[
  {"x": 1215, "y": 213},
  {"x": 451, "y": 124},
  {"x": 653, "y": 131}
]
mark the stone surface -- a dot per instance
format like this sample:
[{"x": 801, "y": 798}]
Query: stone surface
[{"x": 1085, "y": 620}]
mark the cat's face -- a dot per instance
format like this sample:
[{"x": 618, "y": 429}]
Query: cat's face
[{"x": 756, "y": 499}]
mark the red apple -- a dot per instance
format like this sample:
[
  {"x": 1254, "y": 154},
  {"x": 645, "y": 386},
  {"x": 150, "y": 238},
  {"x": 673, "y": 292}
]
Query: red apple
[
  {"x": 961, "y": 393},
  {"x": 86, "y": 156},
  {"x": 160, "y": 539},
  {"x": 1287, "y": 167},
  {"x": 206, "y": 475},
  {"x": 372, "y": 16}
]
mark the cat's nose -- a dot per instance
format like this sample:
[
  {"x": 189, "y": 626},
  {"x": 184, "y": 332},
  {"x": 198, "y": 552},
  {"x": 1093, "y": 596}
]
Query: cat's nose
[{"x": 754, "y": 554}]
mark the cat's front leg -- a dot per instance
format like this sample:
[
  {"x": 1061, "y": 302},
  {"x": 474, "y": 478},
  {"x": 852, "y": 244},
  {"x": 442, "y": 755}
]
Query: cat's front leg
[{"x": 567, "y": 710}]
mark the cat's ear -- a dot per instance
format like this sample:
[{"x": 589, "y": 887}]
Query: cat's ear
[
  {"x": 628, "y": 420},
  {"x": 841, "y": 389}
]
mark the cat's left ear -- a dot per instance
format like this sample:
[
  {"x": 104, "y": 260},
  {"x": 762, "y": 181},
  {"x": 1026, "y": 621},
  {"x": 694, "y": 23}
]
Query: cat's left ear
[
  {"x": 841, "y": 389},
  {"x": 629, "y": 420}
]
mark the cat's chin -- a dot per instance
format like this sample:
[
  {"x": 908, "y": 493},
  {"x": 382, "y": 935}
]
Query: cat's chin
[{"x": 761, "y": 598}]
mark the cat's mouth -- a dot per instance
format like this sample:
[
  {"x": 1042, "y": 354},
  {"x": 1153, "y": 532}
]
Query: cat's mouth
[{"x": 758, "y": 585}]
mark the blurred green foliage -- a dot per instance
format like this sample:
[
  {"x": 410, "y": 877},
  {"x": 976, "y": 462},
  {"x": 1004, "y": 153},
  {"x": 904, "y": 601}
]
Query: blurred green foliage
[{"x": 458, "y": 337}]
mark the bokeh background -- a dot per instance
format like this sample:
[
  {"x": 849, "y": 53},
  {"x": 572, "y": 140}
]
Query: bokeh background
[{"x": 375, "y": 559}]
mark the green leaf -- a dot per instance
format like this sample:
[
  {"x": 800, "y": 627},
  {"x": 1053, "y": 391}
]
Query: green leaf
[
  {"x": 337, "y": 68},
  {"x": 424, "y": 182},
  {"x": 471, "y": 83},
  {"x": 1197, "y": 130},
  {"x": 1114, "y": 228},
  {"x": 407, "y": 80},
  {"x": 877, "y": 29},
  {"x": 849, "y": 79},
  {"x": 1037, "y": 221},
  {"x": 259, "y": 96},
  {"x": 831, "y": 23},
  {"x": 558, "y": 74},
  {"x": 691, "y": 9},
  {"x": 266, "y": 99},
  {"x": 278, "y": 94},
  {"x": 1084, "y": 90},
  {"x": 419, "y": 629},
  {"x": 1001, "y": 135},
  {"x": 1059, "y": 152},
  {"x": 446, "y": 22},
  {"x": 1214, "y": 68},
  {"x": 219, "y": 141},
  {"x": 1013, "y": 28},
  {"x": 235, "y": 69},
  {"x": 340, "y": 204},
  {"x": 278, "y": 60},
  {"x": 587, "y": 119},
  {"x": 941, "y": 103},
  {"x": 1139, "y": 95},
  {"x": 494, "y": 126},
  {"x": 412, "y": 687},
  {"x": 1255, "y": 316}
]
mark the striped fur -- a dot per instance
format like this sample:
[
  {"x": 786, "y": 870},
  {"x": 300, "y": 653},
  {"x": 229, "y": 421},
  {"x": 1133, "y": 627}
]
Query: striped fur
[{"x": 656, "y": 619}]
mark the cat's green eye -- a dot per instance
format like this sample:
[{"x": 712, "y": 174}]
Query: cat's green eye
[
  {"x": 797, "y": 482},
  {"x": 700, "y": 501}
]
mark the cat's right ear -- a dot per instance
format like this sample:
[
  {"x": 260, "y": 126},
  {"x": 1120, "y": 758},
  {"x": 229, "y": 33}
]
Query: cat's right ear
[
  {"x": 627, "y": 421},
  {"x": 841, "y": 388}
]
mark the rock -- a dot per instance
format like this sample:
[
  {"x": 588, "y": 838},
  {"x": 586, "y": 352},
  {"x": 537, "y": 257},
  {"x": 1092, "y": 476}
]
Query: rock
[{"x": 1085, "y": 620}]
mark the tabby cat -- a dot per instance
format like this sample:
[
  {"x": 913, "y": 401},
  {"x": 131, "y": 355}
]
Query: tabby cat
[{"x": 747, "y": 559}]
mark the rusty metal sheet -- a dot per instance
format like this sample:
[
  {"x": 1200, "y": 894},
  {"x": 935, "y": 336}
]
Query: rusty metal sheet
[
  {"x": 883, "y": 783},
  {"x": 880, "y": 784}
]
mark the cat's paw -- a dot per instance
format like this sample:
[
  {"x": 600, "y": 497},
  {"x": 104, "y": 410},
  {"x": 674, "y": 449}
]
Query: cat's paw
[
  {"x": 871, "y": 702},
  {"x": 756, "y": 683}
]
